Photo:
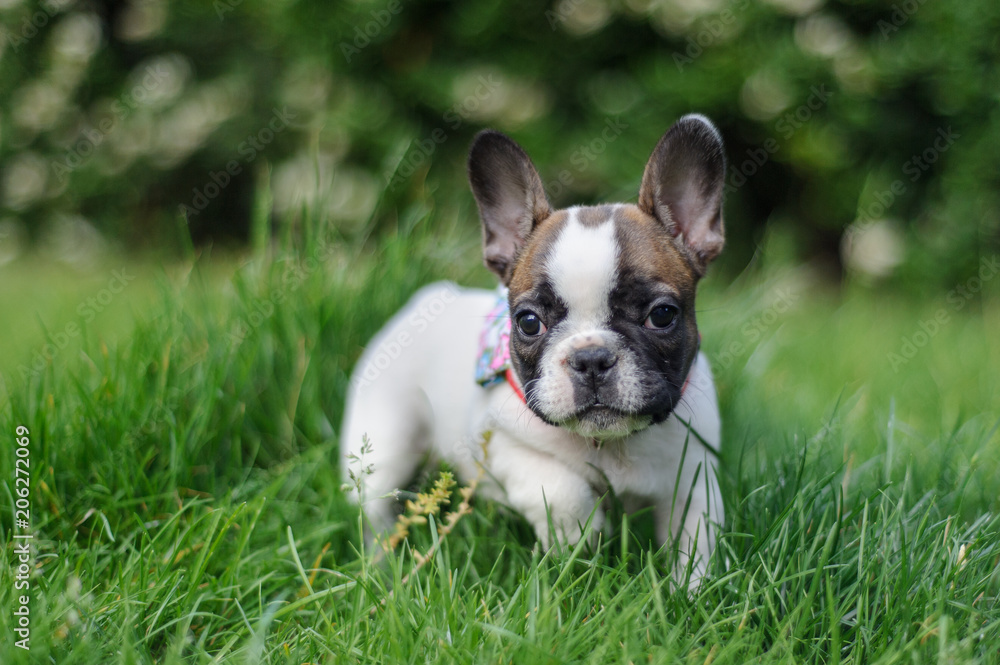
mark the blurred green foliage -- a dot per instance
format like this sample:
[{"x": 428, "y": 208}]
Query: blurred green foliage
[{"x": 861, "y": 134}]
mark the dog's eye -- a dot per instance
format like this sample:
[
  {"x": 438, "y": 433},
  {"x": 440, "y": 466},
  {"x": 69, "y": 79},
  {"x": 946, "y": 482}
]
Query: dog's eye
[
  {"x": 530, "y": 325},
  {"x": 661, "y": 317}
]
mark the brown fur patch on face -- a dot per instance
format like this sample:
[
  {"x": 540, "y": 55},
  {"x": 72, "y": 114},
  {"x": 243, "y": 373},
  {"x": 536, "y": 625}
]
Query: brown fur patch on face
[
  {"x": 530, "y": 263},
  {"x": 649, "y": 253},
  {"x": 591, "y": 216},
  {"x": 647, "y": 250}
]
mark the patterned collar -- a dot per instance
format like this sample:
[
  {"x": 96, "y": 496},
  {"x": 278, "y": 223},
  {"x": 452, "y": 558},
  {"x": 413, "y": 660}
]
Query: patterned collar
[{"x": 493, "y": 365}]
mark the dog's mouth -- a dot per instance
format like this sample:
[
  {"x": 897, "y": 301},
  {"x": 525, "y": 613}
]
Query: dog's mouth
[{"x": 603, "y": 422}]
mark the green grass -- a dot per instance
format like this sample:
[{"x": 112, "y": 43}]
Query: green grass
[{"x": 186, "y": 501}]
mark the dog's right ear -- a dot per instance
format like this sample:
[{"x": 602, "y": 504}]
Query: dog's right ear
[{"x": 510, "y": 197}]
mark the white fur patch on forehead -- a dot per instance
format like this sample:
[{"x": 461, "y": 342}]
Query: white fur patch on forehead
[{"x": 583, "y": 268}]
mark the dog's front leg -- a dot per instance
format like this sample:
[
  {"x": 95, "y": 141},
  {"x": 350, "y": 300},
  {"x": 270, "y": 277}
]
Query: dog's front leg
[{"x": 543, "y": 489}]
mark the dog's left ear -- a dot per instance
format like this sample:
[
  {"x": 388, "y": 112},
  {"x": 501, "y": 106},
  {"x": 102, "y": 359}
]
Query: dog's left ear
[
  {"x": 682, "y": 187},
  {"x": 510, "y": 196}
]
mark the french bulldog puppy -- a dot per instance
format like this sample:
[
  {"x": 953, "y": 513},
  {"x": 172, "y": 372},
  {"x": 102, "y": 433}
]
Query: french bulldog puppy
[{"x": 581, "y": 374}]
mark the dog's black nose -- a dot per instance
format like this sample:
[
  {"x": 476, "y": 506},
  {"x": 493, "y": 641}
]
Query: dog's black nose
[{"x": 592, "y": 361}]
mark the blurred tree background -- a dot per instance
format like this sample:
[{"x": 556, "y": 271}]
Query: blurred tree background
[{"x": 863, "y": 135}]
